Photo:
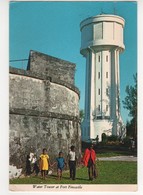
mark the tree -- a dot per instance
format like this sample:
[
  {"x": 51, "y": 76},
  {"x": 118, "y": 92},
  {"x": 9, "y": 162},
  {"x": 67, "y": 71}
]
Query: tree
[
  {"x": 130, "y": 103},
  {"x": 81, "y": 115},
  {"x": 130, "y": 128}
]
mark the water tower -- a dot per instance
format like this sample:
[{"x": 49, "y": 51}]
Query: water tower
[{"x": 101, "y": 44}]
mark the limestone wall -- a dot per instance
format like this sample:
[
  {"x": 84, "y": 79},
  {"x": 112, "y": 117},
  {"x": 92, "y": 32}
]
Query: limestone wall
[
  {"x": 51, "y": 66},
  {"x": 33, "y": 133},
  {"x": 44, "y": 112},
  {"x": 39, "y": 95}
]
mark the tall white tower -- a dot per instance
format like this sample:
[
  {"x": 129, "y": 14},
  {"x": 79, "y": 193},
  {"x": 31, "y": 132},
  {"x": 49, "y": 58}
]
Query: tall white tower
[{"x": 101, "y": 43}]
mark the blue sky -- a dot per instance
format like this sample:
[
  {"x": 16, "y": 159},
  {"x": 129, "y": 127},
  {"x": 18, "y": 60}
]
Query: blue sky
[{"x": 53, "y": 28}]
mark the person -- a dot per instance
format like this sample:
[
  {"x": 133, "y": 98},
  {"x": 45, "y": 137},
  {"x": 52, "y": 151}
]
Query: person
[
  {"x": 60, "y": 165},
  {"x": 28, "y": 166},
  {"x": 44, "y": 163},
  {"x": 72, "y": 162},
  {"x": 89, "y": 161},
  {"x": 97, "y": 139},
  {"x": 132, "y": 144},
  {"x": 35, "y": 165}
]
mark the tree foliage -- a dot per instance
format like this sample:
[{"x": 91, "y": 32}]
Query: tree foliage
[
  {"x": 81, "y": 115},
  {"x": 130, "y": 127},
  {"x": 130, "y": 103}
]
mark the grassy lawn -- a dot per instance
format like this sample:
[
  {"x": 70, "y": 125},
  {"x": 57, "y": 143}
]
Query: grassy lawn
[{"x": 109, "y": 173}]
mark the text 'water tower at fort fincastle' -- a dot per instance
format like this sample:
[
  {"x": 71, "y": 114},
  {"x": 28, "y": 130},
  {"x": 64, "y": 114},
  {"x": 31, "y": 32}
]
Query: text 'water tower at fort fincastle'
[{"x": 101, "y": 44}]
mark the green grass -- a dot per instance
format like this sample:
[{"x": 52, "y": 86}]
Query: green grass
[{"x": 110, "y": 172}]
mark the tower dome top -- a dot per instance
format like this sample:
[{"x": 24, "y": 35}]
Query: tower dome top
[{"x": 102, "y": 18}]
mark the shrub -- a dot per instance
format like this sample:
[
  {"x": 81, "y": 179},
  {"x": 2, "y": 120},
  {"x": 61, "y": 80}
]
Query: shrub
[
  {"x": 127, "y": 141},
  {"x": 115, "y": 143},
  {"x": 104, "y": 138},
  {"x": 113, "y": 138}
]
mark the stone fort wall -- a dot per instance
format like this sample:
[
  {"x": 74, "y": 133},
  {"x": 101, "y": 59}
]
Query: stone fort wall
[{"x": 44, "y": 108}]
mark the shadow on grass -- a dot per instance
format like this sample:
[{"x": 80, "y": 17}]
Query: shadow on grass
[
  {"x": 82, "y": 179},
  {"x": 67, "y": 178}
]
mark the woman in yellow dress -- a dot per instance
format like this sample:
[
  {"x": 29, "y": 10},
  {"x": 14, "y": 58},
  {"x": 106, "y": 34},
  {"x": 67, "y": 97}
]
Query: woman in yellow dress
[{"x": 44, "y": 163}]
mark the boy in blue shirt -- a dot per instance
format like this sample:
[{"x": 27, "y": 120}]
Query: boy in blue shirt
[{"x": 60, "y": 165}]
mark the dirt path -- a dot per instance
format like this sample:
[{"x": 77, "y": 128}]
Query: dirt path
[{"x": 118, "y": 158}]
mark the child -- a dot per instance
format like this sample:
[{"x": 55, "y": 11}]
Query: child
[
  {"x": 35, "y": 166},
  {"x": 72, "y": 163},
  {"x": 60, "y": 165},
  {"x": 28, "y": 166},
  {"x": 44, "y": 163}
]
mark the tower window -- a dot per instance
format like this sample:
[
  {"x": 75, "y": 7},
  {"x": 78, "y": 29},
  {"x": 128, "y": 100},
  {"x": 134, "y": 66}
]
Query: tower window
[
  {"x": 98, "y": 108},
  {"x": 98, "y": 91},
  {"x": 106, "y": 107},
  {"x": 106, "y": 75},
  {"x": 98, "y": 58},
  {"x": 106, "y": 91},
  {"x": 106, "y": 58},
  {"x": 98, "y": 75}
]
